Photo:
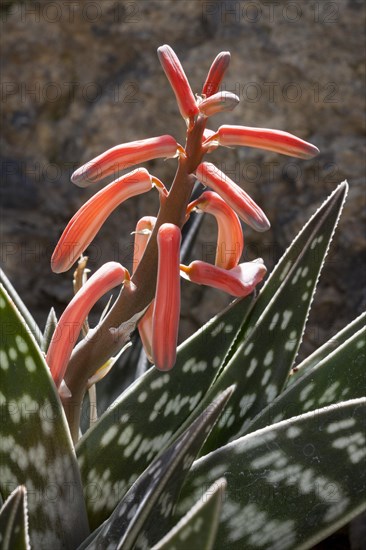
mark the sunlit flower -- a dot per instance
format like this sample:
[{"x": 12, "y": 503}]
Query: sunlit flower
[
  {"x": 123, "y": 156},
  {"x": 69, "y": 326},
  {"x": 87, "y": 221},
  {"x": 238, "y": 281},
  {"x": 179, "y": 82},
  {"x": 167, "y": 298},
  {"x": 216, "y": 74},
  {"x": 230, "y": 240},
  {"x": 247, "y": 210},
  {"x": 263, "y": 138}
]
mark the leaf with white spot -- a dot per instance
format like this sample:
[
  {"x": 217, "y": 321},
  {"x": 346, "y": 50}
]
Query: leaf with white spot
[
  {"x": 146, "y": 510},
  {"x": 197, "y": 529},
  {"x": 20, "y": 305},
  {"x": 339, "y": 376},
  {"x": 144, "y": 419},
  {"x": 35, "y": 447},
  {"x": 14, "y": 521},
  {"x": 291, "y": 484},
  {"x": 327, "y": 348},
  {"x": 262, "y": 362}
]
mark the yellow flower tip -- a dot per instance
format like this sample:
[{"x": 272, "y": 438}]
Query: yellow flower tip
[
  {"x": 159, "y": 186},
  {"x": 181, "y": 152}
]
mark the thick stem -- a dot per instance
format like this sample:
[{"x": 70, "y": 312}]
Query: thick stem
[{"x": 93, "y": 351}]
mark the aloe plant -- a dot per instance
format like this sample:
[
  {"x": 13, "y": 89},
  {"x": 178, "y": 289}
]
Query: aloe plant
[{"x": 225, "y": 442}]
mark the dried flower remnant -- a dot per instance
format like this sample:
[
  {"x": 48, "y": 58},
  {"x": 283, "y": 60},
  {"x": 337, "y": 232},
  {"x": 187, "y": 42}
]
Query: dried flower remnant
[{"x": 142, "y": 233}]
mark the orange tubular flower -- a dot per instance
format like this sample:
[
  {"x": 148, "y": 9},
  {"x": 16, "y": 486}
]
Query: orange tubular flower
[
  {"x": 247, "y": 210},
  {"x": 239, "y": 281},
  {"x": 69, "y": 326},
  {"x": 218, "y": 103},
  {"x": 272, "y": 140},
  {"x": 167, "y": 298},
  {"x": 124, "y": 156},
  {"x": 216, "y": 74},
  {"x": 230, "y": 240},
  {"x": 87, "y": 221},
  {"x": 179, "y": 82},
  {"x": 143, "y": 231}
]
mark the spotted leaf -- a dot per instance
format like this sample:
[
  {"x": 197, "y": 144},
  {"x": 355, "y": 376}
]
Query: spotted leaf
[
  {"x": 146, "y": 510},
  {"x": 14, "y": 296},
  {"x": 270, "y": 340},
  {"x": 36, "y": 449},
  {"x": 330, "y": 346},
  {"x": 339, "y": 376},
  {"x": 144, "y": 419},
  {"x": 291, "y": 484},
  {"x": 14, "y": 521},
  {"x": 197, "y": 529}
]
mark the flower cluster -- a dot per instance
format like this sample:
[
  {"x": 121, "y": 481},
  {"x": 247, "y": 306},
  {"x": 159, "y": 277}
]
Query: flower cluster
[{"x": 225, "y": 200}]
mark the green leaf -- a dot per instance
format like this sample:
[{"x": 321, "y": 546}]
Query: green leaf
[
  {"x": 146, "y": 510},
  {"x": 197, "y": 529},
  {"x": 143, "y": 421},
  {"x": 14, "y": 521},
  {"x": 23, "y": 310},
  {"x": 339, "y": 376},
  {"x": 36, "y": 448},
  {"x": 271, "y": 337},
  {"x": 50, "y": 328},
  {"x": 291, "y": 484},
  {"x": 327, "y": 348}
]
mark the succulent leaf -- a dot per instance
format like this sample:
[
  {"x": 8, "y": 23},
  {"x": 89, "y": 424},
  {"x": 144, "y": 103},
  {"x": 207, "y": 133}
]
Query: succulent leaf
[
  {"x": 270, "y": 338},
  {"x": 287, "y": 486},
  {"x": 146, "y": 510},
  {"x": 331, "y": 345},
  {"x": 36, "y": 449},
  {"x": 197, "y": 529},
  {"x": 337, "y": 377},
  {"x": 31, "y": 324},
  {"x": 14, "y": 521},
  {"x": 144, "y": 419}
]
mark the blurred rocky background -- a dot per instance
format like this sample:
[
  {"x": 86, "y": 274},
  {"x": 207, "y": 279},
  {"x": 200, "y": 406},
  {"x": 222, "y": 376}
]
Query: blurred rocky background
[{"x": 80, "y": 77}]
